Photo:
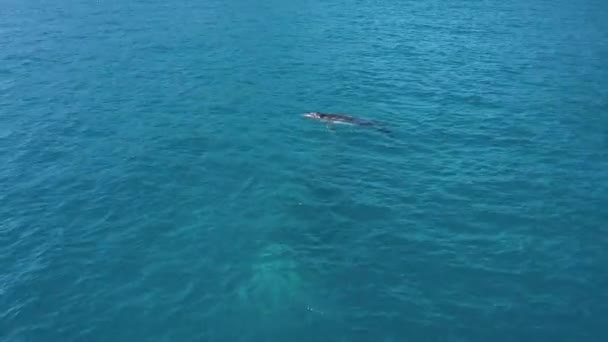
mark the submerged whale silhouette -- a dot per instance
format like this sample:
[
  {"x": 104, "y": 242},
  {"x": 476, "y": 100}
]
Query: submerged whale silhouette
[{"x": 344, "y": 119}]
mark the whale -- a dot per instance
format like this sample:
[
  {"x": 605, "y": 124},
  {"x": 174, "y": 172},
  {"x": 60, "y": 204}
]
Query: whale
[{"x": 330, "y": 119}]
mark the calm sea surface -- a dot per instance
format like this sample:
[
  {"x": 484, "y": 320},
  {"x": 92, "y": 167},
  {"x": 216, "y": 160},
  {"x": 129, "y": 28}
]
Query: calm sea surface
[{"x": 159, "y": 183}]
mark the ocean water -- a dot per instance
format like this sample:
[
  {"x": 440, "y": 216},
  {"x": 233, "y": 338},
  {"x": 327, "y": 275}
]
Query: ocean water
[{"x": 159, "y": 183}]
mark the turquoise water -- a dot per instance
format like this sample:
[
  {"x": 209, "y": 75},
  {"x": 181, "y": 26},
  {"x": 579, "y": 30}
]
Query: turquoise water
[{"x": 158, "y": 182}]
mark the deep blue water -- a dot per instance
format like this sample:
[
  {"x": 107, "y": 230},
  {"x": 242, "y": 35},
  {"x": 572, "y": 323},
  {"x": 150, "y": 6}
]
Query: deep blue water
[{"x": 158, "y": 182}]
